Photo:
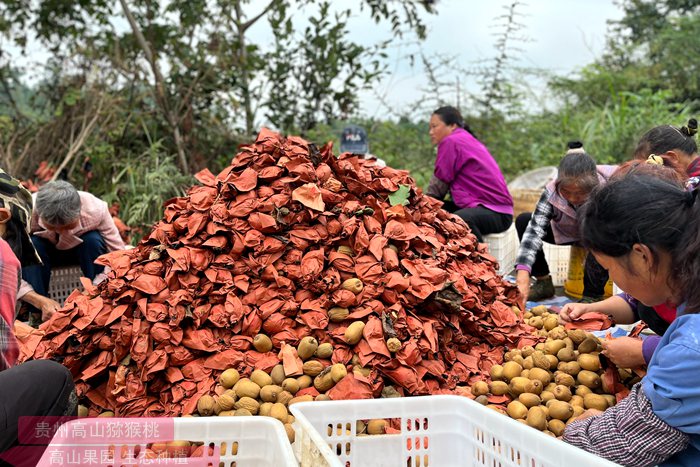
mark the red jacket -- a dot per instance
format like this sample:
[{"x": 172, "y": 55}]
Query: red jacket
[{"x": 9, "y": 283}]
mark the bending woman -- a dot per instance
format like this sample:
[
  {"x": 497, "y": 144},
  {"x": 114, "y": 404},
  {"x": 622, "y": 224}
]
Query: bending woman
[
  {"x": 465, "y": 169},
  {"x": 646, "y": 232}
]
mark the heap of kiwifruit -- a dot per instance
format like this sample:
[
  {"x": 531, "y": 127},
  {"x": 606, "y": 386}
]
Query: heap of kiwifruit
[{"x": 553, "y": 382}]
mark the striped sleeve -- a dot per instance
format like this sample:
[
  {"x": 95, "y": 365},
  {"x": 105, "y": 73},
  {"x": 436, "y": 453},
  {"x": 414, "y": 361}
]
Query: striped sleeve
[
  {"x": 532, "y": 241},
  {"x": 629, "y": 433}
]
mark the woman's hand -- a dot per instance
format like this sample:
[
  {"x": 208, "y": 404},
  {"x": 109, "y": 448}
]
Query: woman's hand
[
  {"x": 522, "y": 280},
  {"x": 48, "y": 308},
  {"x": 572, "y": 311},
  {"x": 44, "y": 304},
  {"x": 625, "y": 352}
]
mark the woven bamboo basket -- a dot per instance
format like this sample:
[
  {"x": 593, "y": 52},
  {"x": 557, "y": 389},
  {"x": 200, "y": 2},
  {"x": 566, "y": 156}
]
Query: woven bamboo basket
[{"x": 524, "y": 200}]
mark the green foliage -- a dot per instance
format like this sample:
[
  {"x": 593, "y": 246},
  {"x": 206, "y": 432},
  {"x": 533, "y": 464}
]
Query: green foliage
[
  {"x": 609, "y": 132},
  {"x": 142, "y": 185},
  {"x": 317, "y": 75},
  {"x": 402, "y": 145}
]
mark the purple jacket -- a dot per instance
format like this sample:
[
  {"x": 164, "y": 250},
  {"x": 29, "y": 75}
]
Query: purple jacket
[
  {"x": 473, "y": 175},
  {"x": 564, "y": 222}
]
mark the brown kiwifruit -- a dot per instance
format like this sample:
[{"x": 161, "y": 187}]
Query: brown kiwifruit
[
  {"x": 540, "y": 360},
  {"x": 516, "y": 409},
  {"x": 519, "y": 385},
  {"x": 589, "y": 362},
  {"x": 511, "y": 370},
  {"x": 498, "y": 388},
  {"x": 483, "y": 400},
  {"x": 480, "y": 388},
  {"x": 594, "y": 401},
  {"x": 557, "y": 427},
  {"x": 562, "y": 393},
  {"x": 564, "y": 379},
  {"x": 576, "y": 400},
  {"x": 542, "y": 375},
  {"x": 560, "y": 410},
  {"x": 587, "y": 346},
  {"x": 536, "y": 418},
  {"x": 496, "y": 372},
  {"x": 566, "y": 355},
  {"x": 553, "y": 347},
  {"x": 589, "y": 379},
  {"x": 529, "y": 400}
]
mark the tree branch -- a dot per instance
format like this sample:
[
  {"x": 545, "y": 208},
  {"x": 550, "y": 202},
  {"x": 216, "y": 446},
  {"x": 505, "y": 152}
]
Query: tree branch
[
  {"x": 160, "y": 91},
  {"x": 253, "y": 20},
  {"x": 84, "y": 133}
]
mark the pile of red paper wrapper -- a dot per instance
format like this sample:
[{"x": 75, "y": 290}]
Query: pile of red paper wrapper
[{"x": 256, "y": 250}]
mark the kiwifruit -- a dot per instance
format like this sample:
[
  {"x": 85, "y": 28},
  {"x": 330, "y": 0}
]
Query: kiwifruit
[
  {"x": 480, "y": 388},
  {"x": 589, "y": 379},
  {"x": 564, "y": 379},
  {"x": 516, "y": 409},
  {"x": 540, "y": 360},
  {"x": 529, "y": 400},
  {"x": 589, "y": 362},
  {"x": 553, "y": 347},
  {"x": 576, "y": 400},
  {"x": 536, "y": 418},
  {"x": 595, "y": 401},
  {"x": 556, "y": 426},
  {"x": 483, "y": 400},
  {"x": 498, "y": 388},
  {"x": 519, "y": 385},
  {"x": 562, "y": 393},
  {"x": 566, "y": 355},
  {"x": 576, "y": 335},
  {"x": 542, "y": 375},
  {"x": 587, "y": 346},
  {"x": 229, "y": 377},
  {"x": 560, "y": 410},
  {"x": 511, "y": 370},
  {"x": 496, "y": 372}
]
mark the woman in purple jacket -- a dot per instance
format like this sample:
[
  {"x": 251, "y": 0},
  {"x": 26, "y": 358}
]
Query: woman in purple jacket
[{"x": 465, "y": 169}]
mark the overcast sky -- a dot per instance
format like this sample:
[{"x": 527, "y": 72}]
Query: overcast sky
[{"x": 564, "y": 36}]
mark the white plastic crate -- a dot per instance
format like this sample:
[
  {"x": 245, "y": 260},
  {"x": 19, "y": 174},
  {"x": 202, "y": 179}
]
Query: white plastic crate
[
  {"x": 558, "y": 260},
  {"x": 243, "y": 442},
  {"x": 436, "y": 431},
  {"x": 63, "y": 281},
  {"x": 504, "y": 247}
]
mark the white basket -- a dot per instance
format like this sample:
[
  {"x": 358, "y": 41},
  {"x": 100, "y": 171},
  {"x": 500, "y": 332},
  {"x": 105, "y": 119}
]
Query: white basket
[
  {"x": 558, "y": 260},
  {"x": 504, "y": 247},
  {"x": 63, "y": 281},
  {"x": 259, "y": 441},
  {"x": 441, "y": 431}
]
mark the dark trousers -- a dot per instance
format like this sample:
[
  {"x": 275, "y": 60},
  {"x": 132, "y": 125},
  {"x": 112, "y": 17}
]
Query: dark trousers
[
  {"x": 482, "y": 221},
  {"x": 594, "y": 275},
  {"x": 33, "y": 389},
  {"x": 84, "y": 254}
]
